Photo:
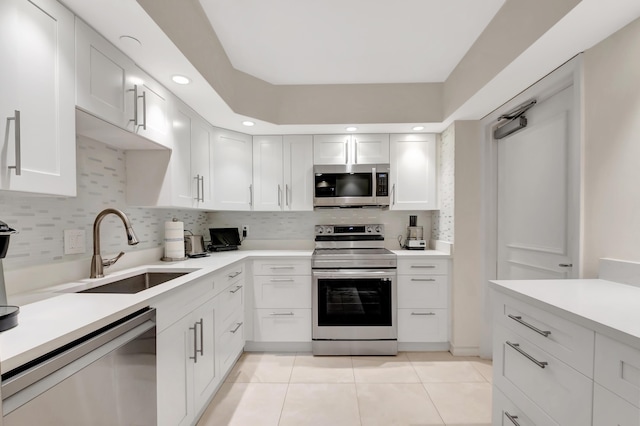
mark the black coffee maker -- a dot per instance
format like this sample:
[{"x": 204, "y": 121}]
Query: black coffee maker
[{"x": 8, "y": 314}]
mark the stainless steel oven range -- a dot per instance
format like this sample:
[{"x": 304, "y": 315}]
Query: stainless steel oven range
[{"x": 354, "y": 292}]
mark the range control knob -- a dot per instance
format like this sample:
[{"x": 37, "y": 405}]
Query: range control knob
[
  {"x": 329, "y": 230},
  {"x": 369, "y": 229},
  {"x": 378, "y": 229},
  {"x": 319, "y": 230}
]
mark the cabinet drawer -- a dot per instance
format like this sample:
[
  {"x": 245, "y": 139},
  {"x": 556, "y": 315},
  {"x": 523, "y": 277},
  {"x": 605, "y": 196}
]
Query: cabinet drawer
[
  {"x": 228, "y": 276},
  {"x": 562, "y": 392},
  {"x": 282, "y": 267},
  {"x": 289, "y": 291},
  {"x": 423, "y": 325},
  {"x": 423, "y": 266},
  {"x": 183, "y": 300},
  {"x": 610, "y": 409},
  {"x": 527, "y": 414},
  {"x": 617, "y": 367},
  {"x": 282, "y": 325},
  {"x": 230, "y": 302},
  {"x": 230, "y": 344},
  {"x": 419, "y": 291},
  {"x": 565, "y": 340}
]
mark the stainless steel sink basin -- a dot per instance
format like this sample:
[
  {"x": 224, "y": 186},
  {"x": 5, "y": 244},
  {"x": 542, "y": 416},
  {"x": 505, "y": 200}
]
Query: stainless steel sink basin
[{"x": 136, "y": 283}]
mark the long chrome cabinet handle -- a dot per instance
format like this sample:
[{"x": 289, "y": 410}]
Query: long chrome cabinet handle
[
  {"x": 565, "y": 265},
  {"x": 279, "y": 196},
  {"x": 286, "y": 194},
  {"x": 280, "y": 314},
  {"x": 393, "y": 194},
  {"x": 516, "y": 346},
  {"x": 283, "y": 267},
  {"x": 144, "y": 110},
  {"x": 423, "y": 266},
  {"x": 512, "y": 418},
  {"x": 518, "y": 319},
  {"x": 422, "y": 313},
  {"x": 237, "y": 328},
  {"x": 197, "y": 178},
  {"x": 135, "y": 105},
  {"x": 251, "y": 194},
  {"x": 281, "y": 280},
  {"x": 195, "y": 343},
  {"x": 202, "y": 193},
  {"x": 235, "y": 274},
  {"x": 422, "y": 279},
  {"x": 346, "y": 152},
  {"x": 238, "y": 287},
  {"x": 201, "y": 350},
  {"x": 17, "y": 141}
]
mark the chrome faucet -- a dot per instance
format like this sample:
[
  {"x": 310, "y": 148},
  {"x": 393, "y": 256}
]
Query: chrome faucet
[{"x": 97, "y": 263}]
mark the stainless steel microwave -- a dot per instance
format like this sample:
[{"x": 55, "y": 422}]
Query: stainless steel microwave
[{"x": 351, "y": 185}]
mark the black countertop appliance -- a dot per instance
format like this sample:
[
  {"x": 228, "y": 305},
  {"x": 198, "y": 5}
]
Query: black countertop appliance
[{"x": 8, "y": 314}]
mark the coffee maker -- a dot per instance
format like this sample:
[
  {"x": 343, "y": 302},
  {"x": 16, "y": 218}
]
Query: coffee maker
[
  {"x": 8, "y": 314},
  {"x": 415, "y": 237}
]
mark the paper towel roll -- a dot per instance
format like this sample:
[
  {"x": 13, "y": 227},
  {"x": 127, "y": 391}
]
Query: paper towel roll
[{"x": 173, "y": 240}]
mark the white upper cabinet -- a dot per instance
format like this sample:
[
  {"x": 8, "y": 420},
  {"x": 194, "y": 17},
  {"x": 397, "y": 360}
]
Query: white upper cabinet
[
  {"x": 37, "y": 120},
  {"x": 413, "y": 172},
  {"x": 282, "y": 173},
  {"x": 111, "y": 87},
  {"x": 298, "y": 172},
  {"x": 231, "y": 166},
  {"x": 351, "y": 149},
  {"x": 201, "y": 176}
]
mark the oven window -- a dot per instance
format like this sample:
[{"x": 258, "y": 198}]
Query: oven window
[
  {"x": 354, "y": 302},
  {"x": 343, "y": 185}
]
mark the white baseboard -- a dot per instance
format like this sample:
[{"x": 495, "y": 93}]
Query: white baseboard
[
  {"x": 464, "y": 350},
  {"x": 423, "y": 347},
  {"x": 277, "y": 347}
]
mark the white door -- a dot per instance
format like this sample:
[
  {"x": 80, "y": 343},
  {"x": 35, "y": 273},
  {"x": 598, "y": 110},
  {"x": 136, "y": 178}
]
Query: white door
[
  {"x": 413, "y": 172},
  {"x": 231, "y": 162},
  {"x": 537, "y": 194},
  {"x": 267, "y": 173},
  {"x": 200, "y": 170},
  {"x": 182, "y": 180},
  {"x": 331, "y": 149},
  {"x": 370, "y": 149}
]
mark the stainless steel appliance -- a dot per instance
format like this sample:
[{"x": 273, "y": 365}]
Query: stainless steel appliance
[
  {"x": 351, "y": 185},
  {"x": 354, "y": 292},
  {"x": 8, "y": 314},
  {"x": 105, "y": 378},
  {"x": 194, "y": 245},
  {"x": 415, "y": 235}
]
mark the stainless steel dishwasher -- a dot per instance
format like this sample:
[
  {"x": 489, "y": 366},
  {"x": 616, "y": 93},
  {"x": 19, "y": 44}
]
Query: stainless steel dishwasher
[{"x": 105, "y": 378}]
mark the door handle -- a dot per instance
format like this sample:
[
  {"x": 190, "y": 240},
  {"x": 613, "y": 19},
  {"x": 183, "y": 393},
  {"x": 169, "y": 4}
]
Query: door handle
[
  {"x": 135, "y": 105},
  {"x": 286, "y": 194},
  {"x": 197, "y": 178},
  {"x": 195, "y": 343},
  {"x": 202, "y": 183},
  {"x": 516, "y": 346},
  {"x": 393, "y": 192},
  {"x": 251, "y": 194},
  {"x": 17, "y": 141},
  {"x": 201, "y": 350},
  {"x": 144, "y": 110},
  {"x": 237, "y": 328},
  {"x": 519, "y": 319},
  {"x": 238, "y": 287},
  {"x": 512, "y": 418},
  {"x": 565, "y": 265},
  {"x": 279, "y": 196}
]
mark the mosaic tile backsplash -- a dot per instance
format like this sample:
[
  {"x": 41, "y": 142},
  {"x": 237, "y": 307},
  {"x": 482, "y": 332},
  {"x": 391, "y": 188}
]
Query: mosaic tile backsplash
[
  {"x": 41, "y": 220},
  {"x": 443, "y": 224}
]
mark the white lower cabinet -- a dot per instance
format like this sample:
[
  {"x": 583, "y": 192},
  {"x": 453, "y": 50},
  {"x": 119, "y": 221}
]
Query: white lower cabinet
[
  {"x": 187, "y": 374},
  {"x": 282, "y": 325},
  {"x": 545, "y": 371},
  {"x": 423, "y": 300}
]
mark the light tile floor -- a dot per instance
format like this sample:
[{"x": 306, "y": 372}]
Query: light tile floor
[{"x": 412, "y": 388}]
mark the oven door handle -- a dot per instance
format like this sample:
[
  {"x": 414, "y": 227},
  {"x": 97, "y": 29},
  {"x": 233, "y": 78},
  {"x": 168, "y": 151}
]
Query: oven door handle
[{"x": 341, "y": 273}]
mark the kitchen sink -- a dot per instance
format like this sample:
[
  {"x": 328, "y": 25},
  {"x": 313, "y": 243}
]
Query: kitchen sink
[{"x": 136, "y": 283}]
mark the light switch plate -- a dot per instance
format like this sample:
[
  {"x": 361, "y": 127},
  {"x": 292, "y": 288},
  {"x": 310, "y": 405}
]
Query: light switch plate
[{"x": 74, "y": 241}]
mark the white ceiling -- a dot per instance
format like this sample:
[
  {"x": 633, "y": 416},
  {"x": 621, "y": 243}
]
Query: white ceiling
[{"x": 348, "y": 41}]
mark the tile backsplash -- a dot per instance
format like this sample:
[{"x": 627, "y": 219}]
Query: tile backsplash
[
  {"x": 443, "y": 223},
  {"x": 41, "y": 220}
]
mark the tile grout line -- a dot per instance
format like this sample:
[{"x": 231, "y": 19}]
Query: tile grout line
[{"x": 427, "y": 392}]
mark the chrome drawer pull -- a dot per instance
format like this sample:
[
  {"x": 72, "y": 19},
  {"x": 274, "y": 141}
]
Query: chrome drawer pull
[
  {"x": 195, "y": 342},
  {"x": 283, "y": 267},
  {"x": 201, "y": 322},
  {"x": 17, "y": 141},
  {"x": 532, "y": 327},
  {"x": 422, "y": 279},
  {"x": 234, "y": 275},
  {"x": 281, "y": 313},
  {"x": 282, "y": 280},
  {"x": 236, "y": 289},
  {"x": 512, "y": 418},
  {"x": 516, "y": 346},
  {"x": 423, "y": 266},
  {"x": 422, "y": 313},
  {"x": 237, "y": 328},
  {"x": 566, "y": 265}
]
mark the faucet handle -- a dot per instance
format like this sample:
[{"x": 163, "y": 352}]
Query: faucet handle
[{"x": 109, "y": 262}]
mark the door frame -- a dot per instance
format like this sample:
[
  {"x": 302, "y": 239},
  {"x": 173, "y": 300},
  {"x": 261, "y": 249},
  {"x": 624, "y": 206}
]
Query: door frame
[{"x": 570, "y": 73}]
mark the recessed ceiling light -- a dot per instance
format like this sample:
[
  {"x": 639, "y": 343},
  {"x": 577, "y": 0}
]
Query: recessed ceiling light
[
  {"x": 351, "y": 129},
  {"x": 248, "y": 123},
  {"x": 417, "y": 128},
  {"x": 180, "y": 79},
  {"x": 130, "y": 41}
]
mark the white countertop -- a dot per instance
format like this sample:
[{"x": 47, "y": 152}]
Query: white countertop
[
  {"x": 605, "y": 306},
  {"x": 64, "y": 317},
  {"x": 421, "y": 253}
]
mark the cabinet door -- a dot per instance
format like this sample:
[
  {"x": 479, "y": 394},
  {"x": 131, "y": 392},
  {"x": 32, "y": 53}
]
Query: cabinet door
[
  {"x": 370, "y": 149},
  {"x": 331, "y": 149},
  {"x": 175, "y": 374},
  {"x": 205, "y": 377},
  {"x": 423, "y": 325},
  {"x": 201, "y": 175},
  {"x": 282, "y": 325},
  {"x": 413, "y": 172},
  {"x": 231, "y": 162},
  {"x": 268, "y": 182},
  {"x": 105, "y": 81},
  {"x": 37, "y": 82},
  {"x": 298, "y": 172},
  {"x": 181, "y": 178},
  {"x": 153, "y": 106}
]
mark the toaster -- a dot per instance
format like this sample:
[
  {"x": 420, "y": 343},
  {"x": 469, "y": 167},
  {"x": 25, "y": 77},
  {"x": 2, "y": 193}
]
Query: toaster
[{"x": 194, "y": 246}]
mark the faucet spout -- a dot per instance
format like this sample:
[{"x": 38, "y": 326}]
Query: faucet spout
[{"x": 97, "y": 264}]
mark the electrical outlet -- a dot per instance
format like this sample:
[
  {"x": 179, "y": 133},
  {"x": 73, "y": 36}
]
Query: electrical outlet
[
  {"x": 74, "y": 241},
  {"x": 245, "y": 231}
]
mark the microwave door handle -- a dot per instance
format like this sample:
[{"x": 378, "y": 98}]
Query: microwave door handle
[
  {"x": 346, "y": 152},
  {"x": 374, "y": 186}
]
